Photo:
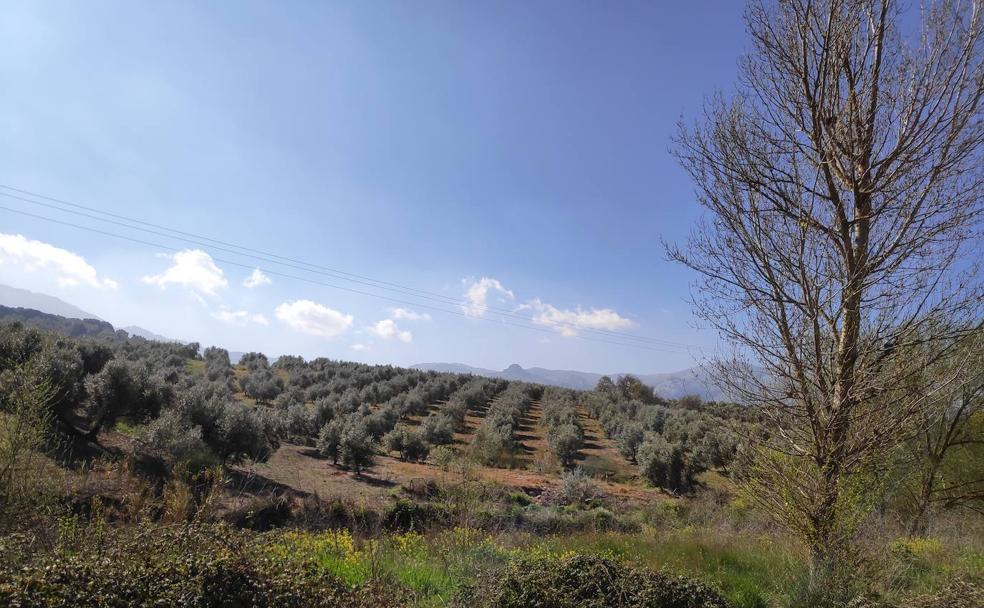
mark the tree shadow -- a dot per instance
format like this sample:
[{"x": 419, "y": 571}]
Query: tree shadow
[{"x": 254, "y": 484}]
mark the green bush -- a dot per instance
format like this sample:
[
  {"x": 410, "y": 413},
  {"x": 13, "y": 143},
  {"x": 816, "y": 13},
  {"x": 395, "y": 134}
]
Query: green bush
[
  {"x": 409, "y": 443},
  {"x": 584, "y": 581},
  {"x": 193, "y": 566},
  {"x": 438, "y": 429},
  {"x": 958, "y": 594},
  {"x": 407, "y": 514}
]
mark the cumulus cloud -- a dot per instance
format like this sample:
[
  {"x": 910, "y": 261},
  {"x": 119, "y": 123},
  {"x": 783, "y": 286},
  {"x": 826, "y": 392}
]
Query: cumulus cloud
[
  {"x": 69, "y": 269},
  {"x": 256, "y": 279},
  {"x": 360, "y": 347},
  {"x": 569, "y": 322},
  {"x": 239, "y": 317},
  {"x": 409, "y": 315},
  {"x": 387, "y": 329},
  {"x": 313, "y": 318},
  {"x": 477, "y": 294},
  {"x": 192, "y": 268}
]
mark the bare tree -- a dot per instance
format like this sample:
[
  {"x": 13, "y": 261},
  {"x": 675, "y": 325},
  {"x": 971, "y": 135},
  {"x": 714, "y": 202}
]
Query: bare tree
[
  {"x": 843, "y": 183},
  {"x": 944, "y": 466}
]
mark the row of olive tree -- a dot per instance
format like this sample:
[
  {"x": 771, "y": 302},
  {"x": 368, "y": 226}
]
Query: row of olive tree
[
  {"x": 495, "y": 442},
  {"x": 670, "y": 444},
  {"x": 565, "y": 435}
]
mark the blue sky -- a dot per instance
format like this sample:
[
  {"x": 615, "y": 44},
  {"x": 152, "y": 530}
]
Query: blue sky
[{"x": 428, "y": 144}]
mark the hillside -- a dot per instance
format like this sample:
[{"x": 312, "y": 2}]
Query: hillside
[
  {"x": 146, "y": 334},
  {"x": 690, "y": 381},
  {"x": 416, "y": 480},
  {"x": 14, "y": 297},
  {"x": 73, "y": 327}
]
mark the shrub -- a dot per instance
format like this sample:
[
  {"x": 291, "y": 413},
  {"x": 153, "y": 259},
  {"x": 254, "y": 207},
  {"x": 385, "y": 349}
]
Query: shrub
[
  {"x": 406, "y": 514},
  {"x": 662, "y": 463},
  {"x": 356, "y": 449},
  {"x": 301, "y": 422},
  {"x": 565, "y": 440},
  {"x": 628, "y": 441},
  {"x": 410, "y": 444},
  {"x": 443, "y": 456},
  {"x": 438, "y": 430},
  {"x": 243, "y": 434},
  {"x": 330, "y": 439},
  {"x": 261, "y": 384},
  {"x": 174, "y": 439},
  {"x": 492, "y": 445},
  {"x": 585, "y": 581},
  {"x": 179, "y": 566},
  {"x": 577, "y": 487},
  {"x": 124, "y": 390},
  {"x": 289, "y": 398}
]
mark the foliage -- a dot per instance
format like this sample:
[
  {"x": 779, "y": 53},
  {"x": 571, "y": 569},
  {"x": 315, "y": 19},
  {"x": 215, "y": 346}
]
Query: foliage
[
  {"x": 123, "y": 389},
  {"x": 438, "y": 429},
  {"x": 577, "y": 488},
  {"x": 409, "y": 443},
  {"x": 356, "y": 449},
  {"x": 175, "y": 566},
  {"x": 582, "y": 581},
  {"x": 24, "y": 432},
  {"x": 260, "y": 381}
]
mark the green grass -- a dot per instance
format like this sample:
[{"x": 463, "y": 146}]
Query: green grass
[
  {"x": 752, "y": 572},
  {"x": 195, "y": 367},
  {"x": 749, "y": 572}
]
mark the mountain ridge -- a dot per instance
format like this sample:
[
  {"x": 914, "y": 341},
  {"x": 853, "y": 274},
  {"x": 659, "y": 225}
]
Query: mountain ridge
[
  {"x": 15, "y": 297},
  {"x": 671, "y": 385}
]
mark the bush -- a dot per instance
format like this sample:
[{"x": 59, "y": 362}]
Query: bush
[
  {"x": 178, "y": 566},
  {"x": 577, "y": 487},
  {"x": 406, "y": 514},
  {"x": 124, "y": 390},
  {"x": 443, "y": 456},
  {"x": 330, "y": 439},
  {"x": 356, "y": 449},
  {"x": 243, "y": 434},
  {"x": 565, "y": 440},
  {"x": 172, "y": 438},
  {"x": 438, "y": 430},
  {"x": 585, "y": 581},
  {"x": 410, "y": 444},
  {"x": 261, "y": 384},
  {"x": 301, "y": 422},
  {"x": 662, "y": 463},
  {"x": 957, "y": 594},
  {"x": 628, "y": 441}
]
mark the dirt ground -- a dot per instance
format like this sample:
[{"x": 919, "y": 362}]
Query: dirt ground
[{"x": 301, "y": 470}]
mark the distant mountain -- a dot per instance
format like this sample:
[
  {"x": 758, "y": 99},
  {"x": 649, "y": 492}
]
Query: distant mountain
[
  {"x": 14, "y": 297},
  {"x": 146, "y": 334},
  {"x": 456, "y": 368},
  {"x": 691, "y": 381},
  {"x": 73, "y": 327}
]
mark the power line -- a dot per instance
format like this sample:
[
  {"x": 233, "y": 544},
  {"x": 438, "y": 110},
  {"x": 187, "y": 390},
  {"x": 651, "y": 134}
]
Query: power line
[
  {"x": 329, "y": 285},
  {"x": 309, "y": 267}
]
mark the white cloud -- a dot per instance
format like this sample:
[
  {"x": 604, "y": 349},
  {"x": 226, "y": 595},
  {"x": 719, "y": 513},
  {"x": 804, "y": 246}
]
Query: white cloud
[
  {"x": 313, "y": 318},
  {"x": 409, "y": 315},
  {"x": 256, "y": 279},
  {"x": 569, "y": 322},
  {"x": 193, "y": 268},
  {"x": 360, "y": 347},
  {"x": 387, "y": 329},
  {"x": 477, "y": 295},
  {"x": 239, "y": 317},
  {"x": 70, "y": 269}
]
